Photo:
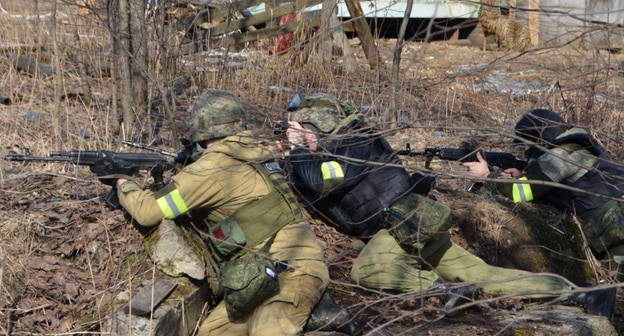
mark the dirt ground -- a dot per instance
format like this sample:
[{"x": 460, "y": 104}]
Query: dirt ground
[{"x": 64, "y": 257}]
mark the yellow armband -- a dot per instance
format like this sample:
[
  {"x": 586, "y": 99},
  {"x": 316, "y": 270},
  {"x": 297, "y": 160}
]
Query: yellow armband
[
  {"x": 333, "y": 176},
  {"x": 522, "y": 191},
  {"x": 170, "y": 202}
]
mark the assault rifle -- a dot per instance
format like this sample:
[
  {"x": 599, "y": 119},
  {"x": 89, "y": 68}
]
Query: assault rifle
[
  {"x": 108, "y": 166},
  {"x": 502, "y": 160}
]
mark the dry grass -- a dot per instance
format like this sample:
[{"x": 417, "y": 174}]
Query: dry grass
[{"x": 438, "y": 91}]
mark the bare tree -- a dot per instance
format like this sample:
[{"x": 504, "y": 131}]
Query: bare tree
[
  {"x": 396, "y": 62},
  {"x": 130, "y": 61},
  {"x": 139, "y": 60}
]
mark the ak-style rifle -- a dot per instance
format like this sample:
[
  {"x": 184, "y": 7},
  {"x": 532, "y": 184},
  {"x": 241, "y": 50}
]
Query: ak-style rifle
[
  {"x": 502, "y": 160},
  {"x": 108, "y": 165}
]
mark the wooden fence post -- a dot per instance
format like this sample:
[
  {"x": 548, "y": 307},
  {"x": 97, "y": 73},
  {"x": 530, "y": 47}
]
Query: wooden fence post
[
  {"x": 534, "y": 21},
  {"x": 325, "y": 43},
  {"x": 363, "y": 32}
]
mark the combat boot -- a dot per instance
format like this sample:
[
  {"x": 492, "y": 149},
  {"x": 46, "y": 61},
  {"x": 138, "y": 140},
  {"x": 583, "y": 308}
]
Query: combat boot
[
  {"x": 329, "y": 316},
  {"x": 458, "y": 296},
  {"x": 454, "y": 295},
  {"x": 596, "y": 302}
]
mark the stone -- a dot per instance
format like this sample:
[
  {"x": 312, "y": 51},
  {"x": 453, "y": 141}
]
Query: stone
[
  {"x": 178, "y": 315},
  {"x": 558, "y": 320},
  {"x": 175, "y": 251},
  {"x": 150, "y": 296}
]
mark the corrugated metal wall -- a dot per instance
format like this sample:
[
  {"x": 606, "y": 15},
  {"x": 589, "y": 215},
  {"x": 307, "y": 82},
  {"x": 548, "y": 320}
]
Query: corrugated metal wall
[
  {"x": 611, "y": 11},
  {"x": 566, "y": 20}
]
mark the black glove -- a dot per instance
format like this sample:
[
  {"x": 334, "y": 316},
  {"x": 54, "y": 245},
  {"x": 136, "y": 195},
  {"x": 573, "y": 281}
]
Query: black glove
[
  {"x": 109, "y": 169},
  {"x": 422, "y": 184},
  {"x": 186, "y": 156}
]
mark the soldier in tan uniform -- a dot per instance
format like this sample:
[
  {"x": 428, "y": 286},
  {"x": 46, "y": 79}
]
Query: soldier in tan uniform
[{"x": 237, "y": 194}]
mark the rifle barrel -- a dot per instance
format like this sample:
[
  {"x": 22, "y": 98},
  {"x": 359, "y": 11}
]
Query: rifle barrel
[
  {"x": 35, "y": 158},
  {"x": 150, "y": 148},
  {"x": 4, "y": 100}
]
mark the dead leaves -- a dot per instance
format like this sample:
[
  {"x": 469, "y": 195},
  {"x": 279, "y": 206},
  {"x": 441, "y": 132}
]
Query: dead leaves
[{"x": 65, "y": 254}]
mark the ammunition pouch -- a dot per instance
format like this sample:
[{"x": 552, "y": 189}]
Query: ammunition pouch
[
  {"x": 247, "y": 278},
  {"x": 248, "y": 281},
  {"x": 416, "y": 221},
  {"x": 604, "y": 227},
  {"x": 226, "y": 239},
  {"x": 257, "y": 220}
]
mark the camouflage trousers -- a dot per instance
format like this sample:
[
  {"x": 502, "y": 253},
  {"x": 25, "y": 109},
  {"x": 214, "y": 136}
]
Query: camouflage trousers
[
  {"x": 384, "y": 264},
  {"x": 301, "y": 287},
  {"x": 604, "y": 228}
]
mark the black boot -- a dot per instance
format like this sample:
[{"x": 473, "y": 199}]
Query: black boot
[
  {"x": 329, "y": 316},
  {"x": 596, "y": 302},
  {"x": 454, "y": 295}
]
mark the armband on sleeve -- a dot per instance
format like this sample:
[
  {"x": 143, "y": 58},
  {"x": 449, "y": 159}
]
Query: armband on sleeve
[
  {"x": 522, "y": 191},
  {"x": 170, "y": 202},
  {"x": 333, "y": 176}
]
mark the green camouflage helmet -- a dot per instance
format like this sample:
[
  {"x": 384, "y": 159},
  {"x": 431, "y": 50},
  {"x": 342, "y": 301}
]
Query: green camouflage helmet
[
  {"x": 216, "y": 114},
  {"x": 322, "y": 110}
]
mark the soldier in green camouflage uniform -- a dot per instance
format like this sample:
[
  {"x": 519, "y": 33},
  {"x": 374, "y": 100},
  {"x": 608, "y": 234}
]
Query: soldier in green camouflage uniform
[
  {"x": 351, "y": 177},
  {"x": 237, "y": 195}
]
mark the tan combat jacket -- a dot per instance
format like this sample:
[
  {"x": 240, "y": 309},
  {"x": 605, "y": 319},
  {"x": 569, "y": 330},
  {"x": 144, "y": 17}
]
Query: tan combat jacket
[{"x": 217, "y": 184}]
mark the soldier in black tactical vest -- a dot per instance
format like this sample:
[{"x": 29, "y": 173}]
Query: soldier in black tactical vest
[
  {"x": 351, "y": 178},
  {"x": 568, "y": 155}
]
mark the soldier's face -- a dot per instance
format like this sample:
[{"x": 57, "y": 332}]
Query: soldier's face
[{"x": 301, "y": 136}]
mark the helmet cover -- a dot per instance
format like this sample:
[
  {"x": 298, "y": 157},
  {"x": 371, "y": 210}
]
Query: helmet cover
[
  {"x": 322, "y": 110},
  {"x": 215, "y": 114}
]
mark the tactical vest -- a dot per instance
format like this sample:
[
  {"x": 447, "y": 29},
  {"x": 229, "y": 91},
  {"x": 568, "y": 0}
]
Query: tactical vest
[
  {"x": 357, "y": 210},
  {"x": 606, "y": 178},
  {"x": 257, "y": 220}
]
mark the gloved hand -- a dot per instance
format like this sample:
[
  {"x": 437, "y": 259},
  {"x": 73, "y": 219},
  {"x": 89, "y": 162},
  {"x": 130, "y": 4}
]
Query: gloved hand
[
  {"x": 422, "y": 184},
  {"x": 188, "y": 154},
  {"x": 109, "y": 171}
]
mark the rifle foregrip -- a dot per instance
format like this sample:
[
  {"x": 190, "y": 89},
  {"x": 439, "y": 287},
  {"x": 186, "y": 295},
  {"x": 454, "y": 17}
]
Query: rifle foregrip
[
  {"x": 503, "y": 160},
  {"x": 111, "y": 199}
]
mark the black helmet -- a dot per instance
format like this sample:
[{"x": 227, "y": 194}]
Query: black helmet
[{"x": 540, "y": 126}]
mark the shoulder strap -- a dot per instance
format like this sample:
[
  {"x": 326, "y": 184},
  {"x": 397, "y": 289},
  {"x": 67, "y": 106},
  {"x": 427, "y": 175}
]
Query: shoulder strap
[{"x": 581, "y": 138}]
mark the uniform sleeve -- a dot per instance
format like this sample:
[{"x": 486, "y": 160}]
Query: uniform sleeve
[
  {"x": 307, "y": 174},
  {"x": 564, "y": 164},
  {"x": 522, "y": 192},
  {"x": 322, "y": 175},
  {"x": 192, "y": 187},
  {"x": 139, "y": 203}
]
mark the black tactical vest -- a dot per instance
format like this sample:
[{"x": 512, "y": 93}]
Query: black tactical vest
[
  {"x": 606, "y": 178},
  {"x": 357, "y": 210}
]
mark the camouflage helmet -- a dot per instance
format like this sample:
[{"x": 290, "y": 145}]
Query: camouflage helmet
[
  {"x": 215, "y": 114},
  {"x": 322, "y": 110}
]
